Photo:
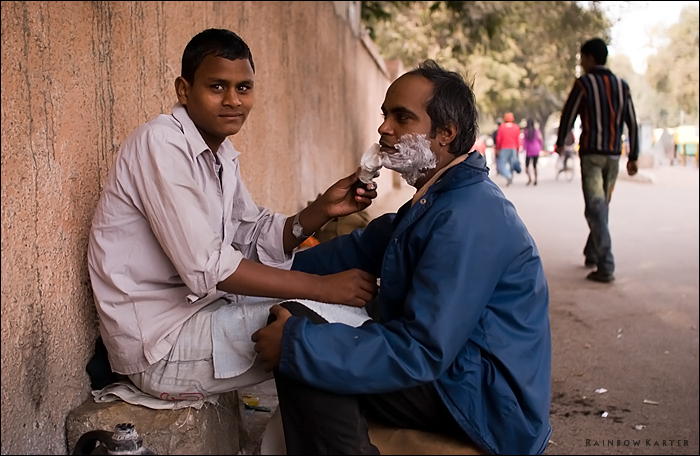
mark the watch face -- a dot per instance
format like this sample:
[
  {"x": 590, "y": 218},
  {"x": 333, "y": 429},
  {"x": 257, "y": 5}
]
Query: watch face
[{"x": 297, "y": 230}]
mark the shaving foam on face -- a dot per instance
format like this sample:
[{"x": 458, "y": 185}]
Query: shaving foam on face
[{"x": 413, "y": 158}]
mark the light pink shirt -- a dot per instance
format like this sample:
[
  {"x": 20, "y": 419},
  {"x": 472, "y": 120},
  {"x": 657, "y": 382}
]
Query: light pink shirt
[{"x": 165, "y": 232}]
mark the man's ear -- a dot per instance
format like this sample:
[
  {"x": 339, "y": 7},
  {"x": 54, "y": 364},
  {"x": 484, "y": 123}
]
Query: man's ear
[
  {"x": 448, "y": 133},
  {"x": 182, "y": 89}
]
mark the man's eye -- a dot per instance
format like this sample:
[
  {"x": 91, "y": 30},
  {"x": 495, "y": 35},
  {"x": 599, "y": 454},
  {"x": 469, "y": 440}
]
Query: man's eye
[
  {"x": 217, "y": 87},
  {"x": 244, "y": 88}
]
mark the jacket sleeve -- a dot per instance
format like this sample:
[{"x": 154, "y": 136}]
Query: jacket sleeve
[
  {"x": 448, "y": 293},
  {"x": 362, "y": 249}
]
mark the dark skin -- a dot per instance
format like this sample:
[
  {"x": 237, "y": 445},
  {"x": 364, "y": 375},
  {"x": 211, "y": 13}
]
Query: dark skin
[
  {"x": 218, "y": 101},
  {"x": 404, "y": 111}
]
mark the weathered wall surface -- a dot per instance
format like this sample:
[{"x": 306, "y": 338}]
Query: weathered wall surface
[{"x": 77, "y": 77}]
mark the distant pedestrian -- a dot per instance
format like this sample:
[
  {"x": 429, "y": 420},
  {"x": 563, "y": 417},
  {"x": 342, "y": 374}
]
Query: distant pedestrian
[
  {"x": 494, "y": 151},
  {"x": 507, "y": 147},
  {"x": 604, "y": 102},
  {"x": 532, "y": 144}
]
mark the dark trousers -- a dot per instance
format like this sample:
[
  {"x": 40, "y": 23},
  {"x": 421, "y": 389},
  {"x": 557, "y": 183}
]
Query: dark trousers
[{"x": 320, "y": 422}]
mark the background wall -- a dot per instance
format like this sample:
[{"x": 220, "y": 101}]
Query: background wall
[{"x": 77, "y": 77}]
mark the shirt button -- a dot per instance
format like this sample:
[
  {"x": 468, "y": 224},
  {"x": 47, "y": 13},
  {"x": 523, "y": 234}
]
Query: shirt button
[
  {"x": 396, "y": 240},
  {"x": 422, "y": 201}
]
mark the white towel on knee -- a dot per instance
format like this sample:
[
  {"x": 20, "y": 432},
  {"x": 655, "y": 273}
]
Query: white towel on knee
[
  {"x": 128, "y": 392},
  {"x": 232, "y": 326}
]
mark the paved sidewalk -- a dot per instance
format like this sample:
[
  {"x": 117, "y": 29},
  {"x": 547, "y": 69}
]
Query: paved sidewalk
[{"x": 635, "y": 339}]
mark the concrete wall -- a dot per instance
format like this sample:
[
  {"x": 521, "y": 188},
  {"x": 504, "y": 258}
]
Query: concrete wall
[{"x": 77, "y": 77}]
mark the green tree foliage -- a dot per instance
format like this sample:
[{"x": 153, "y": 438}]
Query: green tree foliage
[
  {"x": 414, "y": 31},
  {"x": 650, "y": 105},
  {"x": 522, "y": 56},
  {"x": 473, "y": 20},
  {"x": 546, "y": 37},
  {"x": 673, "y": 71},
  {"x": 375, "y": 12}
]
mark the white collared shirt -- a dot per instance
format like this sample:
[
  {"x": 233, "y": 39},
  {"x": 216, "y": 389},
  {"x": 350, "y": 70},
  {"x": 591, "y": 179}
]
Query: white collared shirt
[{"x": 165, "y": 232}]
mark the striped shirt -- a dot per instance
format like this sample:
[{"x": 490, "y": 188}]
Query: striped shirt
[{"x": 604, "y": 102}]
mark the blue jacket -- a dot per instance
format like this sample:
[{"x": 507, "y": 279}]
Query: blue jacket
[{"x": 464, "y": 303}]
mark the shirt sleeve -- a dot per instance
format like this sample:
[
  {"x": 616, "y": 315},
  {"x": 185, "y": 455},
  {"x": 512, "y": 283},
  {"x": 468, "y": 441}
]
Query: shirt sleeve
[
  {"x": 569, "y": 112},
  {"x": 259, "y": 234},
  {"x": 632, "y": 127}
]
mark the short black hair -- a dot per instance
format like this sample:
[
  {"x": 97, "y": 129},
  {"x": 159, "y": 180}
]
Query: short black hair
[
  {"x": 453, "y": 102},
  {"x": 597, "y": 49},
  {"x": 217, "y": 42}
]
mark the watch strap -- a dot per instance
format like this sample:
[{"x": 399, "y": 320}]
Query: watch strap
[{"x": 297, "y": 229}]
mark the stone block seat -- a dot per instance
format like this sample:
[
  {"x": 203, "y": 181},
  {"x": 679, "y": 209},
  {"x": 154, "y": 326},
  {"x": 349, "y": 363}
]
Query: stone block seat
[
  {"x": 222, "y": 429},
  {"x": 212, "y": 429},
  {"x": 387, "y": 439}
]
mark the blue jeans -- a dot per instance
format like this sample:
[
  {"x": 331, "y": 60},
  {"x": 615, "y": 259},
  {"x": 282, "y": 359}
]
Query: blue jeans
[
  {"x": 598, "y": 176},
  {"x": 506, "y": 157}
]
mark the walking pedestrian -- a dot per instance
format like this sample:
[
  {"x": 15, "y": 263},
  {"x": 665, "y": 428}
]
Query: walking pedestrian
[
  {"x": 532, "y": 144},
  {"x": 507, "y": 147},
  {"x": 604, "y": 102}
]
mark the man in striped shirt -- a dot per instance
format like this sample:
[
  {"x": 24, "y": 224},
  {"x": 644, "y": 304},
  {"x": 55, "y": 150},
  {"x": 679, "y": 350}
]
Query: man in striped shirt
[{"x": 604, "y": 103}]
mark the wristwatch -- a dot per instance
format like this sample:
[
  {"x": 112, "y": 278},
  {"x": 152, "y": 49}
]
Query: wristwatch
[{"x": 297, "y": 229}]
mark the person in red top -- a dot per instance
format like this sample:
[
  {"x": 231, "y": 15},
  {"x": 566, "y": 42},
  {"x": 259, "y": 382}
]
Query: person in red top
[{"x": 508, "y": 144}]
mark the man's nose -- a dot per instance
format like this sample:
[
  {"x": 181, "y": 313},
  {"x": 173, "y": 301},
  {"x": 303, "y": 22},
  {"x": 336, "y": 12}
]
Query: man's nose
[
  {"x": 385, "y": 129},
  {"x": 232, "y": 98}
]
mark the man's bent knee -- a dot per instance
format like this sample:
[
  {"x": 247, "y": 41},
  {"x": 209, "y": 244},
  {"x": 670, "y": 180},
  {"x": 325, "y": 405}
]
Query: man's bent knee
[{"x": 299, "y": 310}]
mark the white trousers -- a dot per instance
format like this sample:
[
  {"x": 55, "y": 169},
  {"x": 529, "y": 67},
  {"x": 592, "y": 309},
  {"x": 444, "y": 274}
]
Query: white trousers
[{"x": 213, "y": 353}]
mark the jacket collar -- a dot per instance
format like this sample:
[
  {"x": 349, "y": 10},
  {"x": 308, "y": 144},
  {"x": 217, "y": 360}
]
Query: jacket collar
[
  {"x": 470, "y": 171},
  {"x": 421, "y": 191}
]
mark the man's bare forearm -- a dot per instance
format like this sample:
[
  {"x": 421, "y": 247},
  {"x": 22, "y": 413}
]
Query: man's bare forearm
[{"x": 312, "y": 218}]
